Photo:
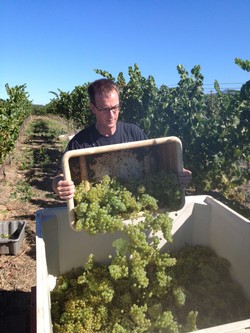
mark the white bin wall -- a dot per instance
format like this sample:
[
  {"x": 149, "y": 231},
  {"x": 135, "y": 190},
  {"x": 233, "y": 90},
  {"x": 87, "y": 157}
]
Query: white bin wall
[
  {"x": 66, "y": 248},
  {"x": 214, "y": 225},
  {"x": 230, "y": 238}
]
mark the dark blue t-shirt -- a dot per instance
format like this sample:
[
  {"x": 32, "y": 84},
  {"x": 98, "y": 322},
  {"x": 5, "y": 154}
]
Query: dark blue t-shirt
[{"x": 90, "y": 137}]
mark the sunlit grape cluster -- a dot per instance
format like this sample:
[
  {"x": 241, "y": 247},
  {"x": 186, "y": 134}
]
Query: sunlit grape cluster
[
  {"x": 122, "y": 296},
  {"x": 103, "y": 207},
  {"x": 176, "y": 292}
]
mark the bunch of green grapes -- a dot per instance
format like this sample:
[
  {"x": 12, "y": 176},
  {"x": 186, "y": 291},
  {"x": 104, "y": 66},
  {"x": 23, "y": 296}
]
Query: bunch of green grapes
[
  {"x": 122, "y": 296},
  {"x": 137, "y": 276},
  {"x": 103, "y": 207},
  {"x": 183, "y": 291}
]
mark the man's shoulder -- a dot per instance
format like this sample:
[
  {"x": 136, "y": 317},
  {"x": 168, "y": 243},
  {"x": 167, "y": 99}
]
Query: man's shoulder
[
  {"x": 83, "y": 138},
  {"x": 85, "y": 131}
]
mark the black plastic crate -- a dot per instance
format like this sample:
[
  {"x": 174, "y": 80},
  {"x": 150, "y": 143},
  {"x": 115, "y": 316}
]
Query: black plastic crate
[{"x": 11, "y": 236}]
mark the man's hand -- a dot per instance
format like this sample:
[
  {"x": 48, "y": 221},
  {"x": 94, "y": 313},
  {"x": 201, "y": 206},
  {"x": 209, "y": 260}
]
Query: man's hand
[
  {"x": 185, "y": 177},
  {"x": 65, "y": 189}
]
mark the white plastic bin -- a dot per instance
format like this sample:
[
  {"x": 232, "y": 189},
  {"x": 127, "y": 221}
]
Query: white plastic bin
[{"x": 202, "y": 221}]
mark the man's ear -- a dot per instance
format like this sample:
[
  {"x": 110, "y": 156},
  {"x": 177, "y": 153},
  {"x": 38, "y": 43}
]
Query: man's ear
[{"x": 92, "y": 107}]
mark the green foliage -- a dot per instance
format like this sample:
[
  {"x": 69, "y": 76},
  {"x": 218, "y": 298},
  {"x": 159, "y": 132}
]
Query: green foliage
[
  {"x": 139, "y": 98},
  {"x": 13, "y": 111},
  {"x": 73, "y": 106},
  {"x": 213, "y": 128},
  {"x": 245, "y": 65},
  {"x": 41, "y": 127},
  {"x": 26, "y": 160},
  {"x": 46, "y": 128},
  {"x": 39, "y": 110},
  {"x": 23, "y": 191}
]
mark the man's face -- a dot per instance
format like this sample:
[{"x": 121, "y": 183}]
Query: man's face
[{"x": 105, "y": 111}]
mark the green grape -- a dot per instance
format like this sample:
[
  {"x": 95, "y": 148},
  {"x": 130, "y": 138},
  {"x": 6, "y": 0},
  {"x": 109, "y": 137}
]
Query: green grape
[
  {"x": 117, "y": 328},
  {"x": 166, "y": 320},
  {"x": 162, "y": 278},
  {"x": 148, "y": 202},
  {"x": 140, "y": 275},
  {"x": 179, "y": 296},
  {"x": 190, "y": 324},
  {"x": 138, "y": 316},
  {"x": 119, "y": 267}
]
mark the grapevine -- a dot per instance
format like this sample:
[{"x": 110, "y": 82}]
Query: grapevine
[
  {"x": 13, "y": 112},
  {"x": 213, "y": 127}
]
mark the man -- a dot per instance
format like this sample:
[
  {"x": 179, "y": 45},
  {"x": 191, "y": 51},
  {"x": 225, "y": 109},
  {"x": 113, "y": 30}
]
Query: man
[{"x": 105, "y": 104}]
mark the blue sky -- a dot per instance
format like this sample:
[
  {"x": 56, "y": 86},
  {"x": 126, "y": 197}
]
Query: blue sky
[{"x": 57, "y": 44}]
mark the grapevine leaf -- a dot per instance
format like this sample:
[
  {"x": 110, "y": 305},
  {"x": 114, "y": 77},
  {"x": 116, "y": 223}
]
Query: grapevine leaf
[{"x": 121, "y": 246}]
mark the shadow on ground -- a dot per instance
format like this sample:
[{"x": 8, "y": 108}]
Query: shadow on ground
[{"x": 15, "y": 311}]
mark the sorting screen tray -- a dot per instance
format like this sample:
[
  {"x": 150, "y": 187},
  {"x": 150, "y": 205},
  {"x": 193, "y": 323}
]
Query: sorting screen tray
[{"x": 131, "y": 160}]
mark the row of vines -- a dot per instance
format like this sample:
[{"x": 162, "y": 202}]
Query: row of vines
[
  {"x": 214, "y": 128},
  {"x": 13, "y": 111}
]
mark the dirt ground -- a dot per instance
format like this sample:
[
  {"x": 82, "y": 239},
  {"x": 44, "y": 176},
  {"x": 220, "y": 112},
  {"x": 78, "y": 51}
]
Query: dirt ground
[{"x": 23, "y": 191}]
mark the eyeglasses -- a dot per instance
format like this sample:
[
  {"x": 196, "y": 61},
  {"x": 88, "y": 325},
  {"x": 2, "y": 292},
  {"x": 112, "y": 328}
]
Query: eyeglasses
[{"x": 112, "y": 108}]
